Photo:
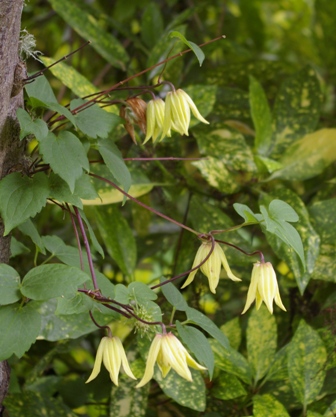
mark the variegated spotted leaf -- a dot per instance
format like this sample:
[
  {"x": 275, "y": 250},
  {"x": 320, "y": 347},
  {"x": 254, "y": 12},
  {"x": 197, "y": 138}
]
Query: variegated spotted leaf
[
  {"x": 306, "y": 359},
  {"x": 323, "y": 219},
  {"x": 331, "y": 410},
  {"x": 297, "y": 109},
  {"x": 188, "y": 394},
  {"x": 266, "y": 406},
  {"x": 233, "y": 332},
  {"x": 308, "y": 156},
  {"x": 227, "y": 387},
  {"x": 261, "y": 337}
]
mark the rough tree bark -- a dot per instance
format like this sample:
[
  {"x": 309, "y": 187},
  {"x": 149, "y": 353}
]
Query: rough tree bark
[{"x": 11, "y": 150}]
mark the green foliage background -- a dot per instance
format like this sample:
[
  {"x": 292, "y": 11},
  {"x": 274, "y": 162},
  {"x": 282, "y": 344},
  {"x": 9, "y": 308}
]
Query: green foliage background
[{"x": 268, "y": 91}]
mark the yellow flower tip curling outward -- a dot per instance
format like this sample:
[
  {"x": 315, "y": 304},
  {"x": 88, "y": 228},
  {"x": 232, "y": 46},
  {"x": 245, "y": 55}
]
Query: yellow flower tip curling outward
[
  {"x": 177, "y": 113},
  {"x": 212, "y": 266},
  {"x": 168, "y": 352},
  {"x": 155, "y": 117},
  {"x": 263, "y": 287},
  {"x": 111, "y": 353}
]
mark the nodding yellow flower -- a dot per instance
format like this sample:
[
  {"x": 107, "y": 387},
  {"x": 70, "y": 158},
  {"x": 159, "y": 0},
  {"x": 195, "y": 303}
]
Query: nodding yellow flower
[
  {"x": 263, "y": 287},
  {"x": 111, "y": 353},
  {"x": 155, "y": 116},
  {"x": 169, "y": 353},
  {"x": 177, "y": 113},
  {"x": 212, "y": 267}
]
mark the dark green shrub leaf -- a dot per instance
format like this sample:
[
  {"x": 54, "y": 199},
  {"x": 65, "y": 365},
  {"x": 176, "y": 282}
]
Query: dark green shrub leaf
[
  {"x": 19, "y": 328},
  {"x": 195, "y": 48},
  {"x": 25, "y": 197},
  {"x": 9, "y": 285},
  {"x": 29, "y": 229},
  {"x": 227, "y": 387},
  {"x": 66, "y": 156},
  {"x": 198, "y": 344},
  {"x": 151, "y": 24},
  {"x": 266, "y": 406},
  {"x": 49, "y": 281}
]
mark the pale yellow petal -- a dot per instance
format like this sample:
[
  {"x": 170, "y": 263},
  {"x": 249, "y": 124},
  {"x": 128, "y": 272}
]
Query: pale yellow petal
[
  {"x": 123, "y": 357},
  {"x": 175, "y": 351},
  {"x": 98, "y": 360},
  {"x": 226, "y": 266},
  {"x": 252, "y": 291},
  {"x": 152, "y": 356},
  {"x": 193, "y": 108},
  {"x": 112, "y": 360}
]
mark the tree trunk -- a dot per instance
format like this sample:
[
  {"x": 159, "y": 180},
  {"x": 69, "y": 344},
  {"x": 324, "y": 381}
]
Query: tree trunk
[{"x": 11, "y": 150}]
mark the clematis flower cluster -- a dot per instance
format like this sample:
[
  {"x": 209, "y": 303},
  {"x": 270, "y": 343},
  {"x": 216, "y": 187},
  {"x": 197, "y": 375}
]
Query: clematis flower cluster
[
  {"x": 166, "y": 350},
  {"x": 172, "y": 115}
]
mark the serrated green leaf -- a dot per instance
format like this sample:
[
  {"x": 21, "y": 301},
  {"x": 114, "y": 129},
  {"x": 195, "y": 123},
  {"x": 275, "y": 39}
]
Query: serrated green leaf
[
  {"x": 308, "y": 156},
  {"x": 118, "y": 237},
  {"x": 60, "y": 191},
  {"x": 306, "y": 358},
  {"x": 80, "y": 303},
  {"x": 89, "y": 28},
  {"x": 198, "y": 344},
  {"x": 174, "y": 296},
  {"x": 9, "y": 285},
  {"x": 38, "y": 127},
  {"x": 71, "y": 78},
  {"x": 25, "y": 197},
  {"x": 19, "y": 327},
  {"x": 261, "y": 337},
  {"x": 56, "y": 107},
  {"x": 113, "y": 160},
  {"x": 261, "y": 116},
  {"x": 297, "y": 109},
  {"x": 94, "y": 121},
  {"x": 227, "y": 387},
  {"x": 188, "y": 394},
  {"x": 29, "y": 229},
  {"x": 53, "y": 280},
  {"x": 198, "y": 318},
  {"x": 66, "y": 156},
  {"x": 323, "y": 218},
  {"x": 195, "y": 48},
  {"x": 266, "y": 406},
  {"x": 41, "y": 90}
]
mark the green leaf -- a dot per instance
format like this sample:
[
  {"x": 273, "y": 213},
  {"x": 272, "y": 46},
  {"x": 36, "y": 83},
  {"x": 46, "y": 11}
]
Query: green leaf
[
  {"x": 35, "y": 404},
  {"x": 233, "y": 332},
  {"x": 94, "y": 121},
  {"x": 266, "y": 405},
  {"x": 174, "y": 296},
  {"x": 49, "y": 281},
  {"x": 140, "y": 292},
  {"x": 118, "y": 237},
  {"x": 113, "y": 160},
  {"x": 232, "y": 362},
  {"x": 88, "y": 27},
  {"x": 308, "y": 157},
  {"x": 25, "y": 197},
  {"x": 66, "y": 156},
  {"x": 227, "y": 387},
  {"x": 306, "y": 358},
  {"x": 247, "y": 214},
  {"x": 261, "y": 335},
  {"x": 38, "y": 127},
  {"x": 17, "y": 248},
  {"x": 9, "y": 285},
  {"x": 198, "y": 344},
  {"x": 275, "y": 222},
  {"x": 331, "y": 410},
  {"x": 297, "y": 109},
  {"x": 323, "y": 219},
  {"x": 41, "y": 90},
  {"x": 80, "y": 303},
  {"x": 29, "y": 229},
  {"x": 195, "y": 48},
  {"x": 198, "y": 318},
  {"x": 71, "y": 78},
  {"x": 188, "y": 394},
  {"x": 19, "y": 328},
  {"x": 92, "y": 235},
  {"x": 60, "y": 191},
  {"x": 261, "y": 116},
  {"x": 151, "y": 24},
  {"x": 308, "y": 235}
]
